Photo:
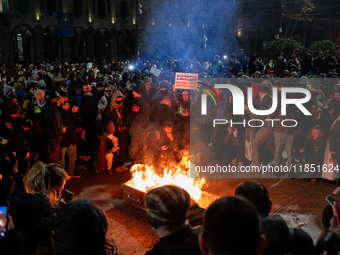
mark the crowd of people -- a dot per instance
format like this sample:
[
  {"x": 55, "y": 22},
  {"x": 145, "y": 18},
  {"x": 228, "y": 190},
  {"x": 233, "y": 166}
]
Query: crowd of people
[
  {"x": 62, "y": 118},
  {"x": 38, "y": 223}
]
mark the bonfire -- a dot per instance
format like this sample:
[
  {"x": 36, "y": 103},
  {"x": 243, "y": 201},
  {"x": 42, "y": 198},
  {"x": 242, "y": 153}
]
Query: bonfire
[{"x": 145, "y": 178}]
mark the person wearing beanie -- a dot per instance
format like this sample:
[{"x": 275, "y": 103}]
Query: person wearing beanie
[
  {"x": 267, "y": 83},
  {"x": 270, "y": 73},
  {"x": 8, "y": 91},
  {"x": 293, "y": 64},
  {"x": 264, "y": 89},
  {"x": 167, "y": 215},
  {"x": 139, "y": 90},
  {"x": 257, "y": 75},
  {"x": 8, "y": 98}
]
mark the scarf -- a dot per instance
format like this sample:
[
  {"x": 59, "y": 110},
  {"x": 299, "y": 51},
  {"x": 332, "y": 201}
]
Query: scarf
[{"x": 117, "y": 107}]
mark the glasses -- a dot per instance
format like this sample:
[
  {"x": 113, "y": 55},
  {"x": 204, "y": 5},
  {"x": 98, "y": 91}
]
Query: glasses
[{"x": 185, "y": 95}]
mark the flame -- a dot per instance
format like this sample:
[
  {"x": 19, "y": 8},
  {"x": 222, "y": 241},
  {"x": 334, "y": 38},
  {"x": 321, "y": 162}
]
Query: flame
[{"x": 145, "y": 178}]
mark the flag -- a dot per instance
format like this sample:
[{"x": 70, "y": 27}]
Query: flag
[{"x": 65, "y": 24}]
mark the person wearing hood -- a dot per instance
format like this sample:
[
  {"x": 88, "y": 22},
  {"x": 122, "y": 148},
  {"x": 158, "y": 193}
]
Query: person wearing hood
[
  {"x": 162, "y": 94},
  {"x": 89, "y": 112},
  {"x": 162, "y": 109},
  {"x": 218, "y": 65},
  {"x": 182, "y": 115},
  {"x": 138, "y": 119},
  {"x": 117, "y": 113},
  {"x": 149, "y": 90},
  {"x": 105, "y": 99}
]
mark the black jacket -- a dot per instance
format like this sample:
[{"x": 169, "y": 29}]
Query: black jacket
[
  {"x": 68, "y": 120},
  {"x": 182, "y": 242}
]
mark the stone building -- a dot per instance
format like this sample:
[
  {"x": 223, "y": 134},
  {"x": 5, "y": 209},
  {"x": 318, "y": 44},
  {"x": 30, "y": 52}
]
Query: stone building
[{"x": 103, "y": 29}]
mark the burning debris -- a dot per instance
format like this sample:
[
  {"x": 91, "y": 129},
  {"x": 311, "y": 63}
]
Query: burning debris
[{"x": 145, "y": 178}]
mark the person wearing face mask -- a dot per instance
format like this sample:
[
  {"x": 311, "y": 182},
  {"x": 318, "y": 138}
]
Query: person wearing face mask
[
  {"x": 281, "y": 64},
  {"x": 138, "y": 119},
  {"x": 117, "y": 113},
  {"x": 163, "y": 93},
  {"x": 162, "y": 108},
  {"x": 182, "y": 115}
]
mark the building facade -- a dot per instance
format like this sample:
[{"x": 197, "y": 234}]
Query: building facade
[{"x": 103, "y": 29}]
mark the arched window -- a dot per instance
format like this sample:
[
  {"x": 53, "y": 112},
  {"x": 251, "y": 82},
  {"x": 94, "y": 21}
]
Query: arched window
[
  {"x": 78, "y": 8},
  {"x": 51, "y": 7},
  {"x": 18, "y": 46},
  {"x": 22, "y": 6},
  {"x": 108, "y": 7},
  {"x": 123, "y": 10},
  {"x": 101, "y": 9}
]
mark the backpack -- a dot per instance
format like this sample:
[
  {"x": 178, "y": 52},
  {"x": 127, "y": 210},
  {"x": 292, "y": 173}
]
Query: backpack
[{"x": 40, "y": 128}]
